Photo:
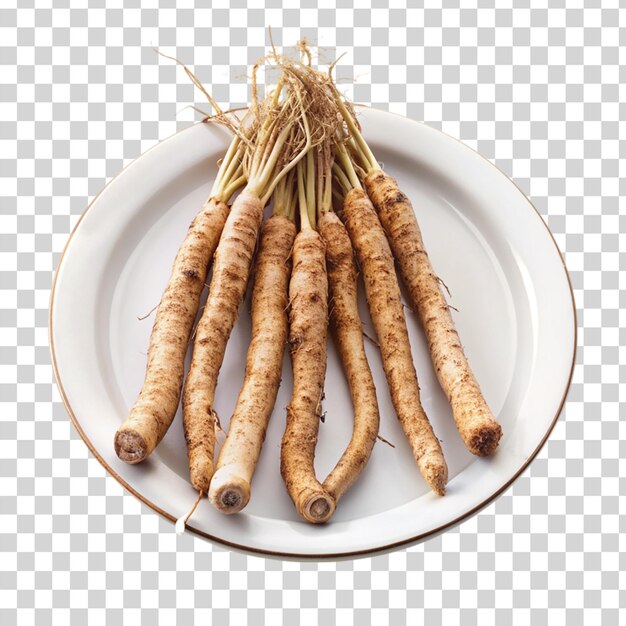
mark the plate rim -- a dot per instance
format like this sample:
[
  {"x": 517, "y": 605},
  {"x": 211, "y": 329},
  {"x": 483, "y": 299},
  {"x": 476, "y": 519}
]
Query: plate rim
[{"x": 307, "y": 556}]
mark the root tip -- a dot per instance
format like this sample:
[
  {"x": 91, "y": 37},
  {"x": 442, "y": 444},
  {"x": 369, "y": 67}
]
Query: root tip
[
  {"x": 484, "y": 441},
  {"x": 231, "y": 496},
  {"x": 130, "y": 446},
  {"x": 435, "y": 472},
  {"x": 439, "y": 488},
  {"x": 318, "y": 508}
]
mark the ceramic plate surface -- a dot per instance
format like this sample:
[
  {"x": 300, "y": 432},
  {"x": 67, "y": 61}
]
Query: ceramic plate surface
[{"x": 486, "y": 241}]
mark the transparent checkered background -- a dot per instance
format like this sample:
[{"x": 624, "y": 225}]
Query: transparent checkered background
[{"x": 535, "y": 90}]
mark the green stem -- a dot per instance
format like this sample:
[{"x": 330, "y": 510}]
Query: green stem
[
  {"x": 268, "y": 168},
  {"x": 346, "y": 164},
  {"x": 324, "y": 180},
  {"x": 284, "y": 199},
  {"x": 236, "y": 184},
  {"x": 358, "y": 155},
  {"x": 225, "y": 164},
  {"x": 327, "y": 200},
  {"x": 305, "y": 224},
  {"x": 296, "y": 159},
  {"x": 230, "y": 174},
  {"x": 366, "y": 154},
  {"x": 235, "y": 168},
  {"x": 342, "y": 179},
  {"x": 319, "y": 182},
  {"x": 310, "y": 187}
]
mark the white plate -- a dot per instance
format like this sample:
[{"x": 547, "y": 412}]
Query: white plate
[{"x": 487, "y": 242}]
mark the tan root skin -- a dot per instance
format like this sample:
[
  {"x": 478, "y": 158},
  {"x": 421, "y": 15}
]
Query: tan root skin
[
  {"x": 387, "y": 313},
  {"x": 154, "y": 410},
  {"x": 348, "y": 331},
  {"x": 231, "y": 269},
  {"x": 308, "y": 321},
  {"x": 230, "y": 486},
  {"x": 476, "y": 423}
]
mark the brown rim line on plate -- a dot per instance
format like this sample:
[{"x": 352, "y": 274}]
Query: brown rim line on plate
[{"x": 296, "y": 556}]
